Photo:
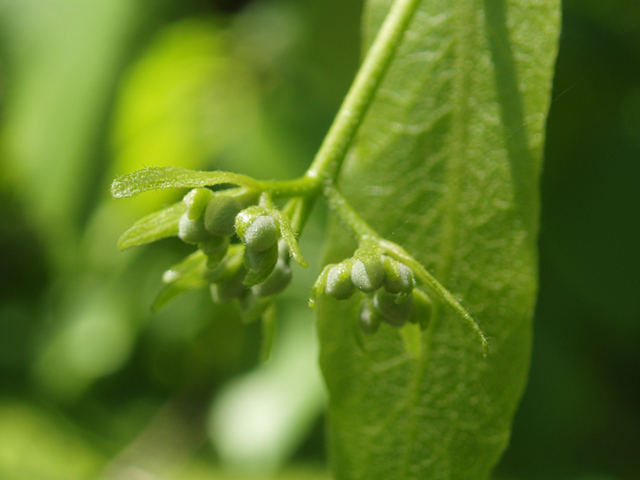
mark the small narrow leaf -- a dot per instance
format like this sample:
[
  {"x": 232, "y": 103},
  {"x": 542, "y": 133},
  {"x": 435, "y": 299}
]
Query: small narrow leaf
[
  {"x": 319, "y": 285},
  {"x": 158, "y": 178},
  {"x": 184, "y": 276},
  {"x": 155, "y": 226},
  {"x": 289, "y": 236},
  {"x": 446, "y": 165}
]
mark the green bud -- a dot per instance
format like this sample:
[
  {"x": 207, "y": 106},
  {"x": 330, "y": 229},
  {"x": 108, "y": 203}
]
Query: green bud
[
  {"x": 192, "y": 231},
  {"x": 369, "y": 319},
  {"x": 422, "y": 309},
  {"x": 260, "y": 262},
  {"x": 215, "y": 248},
  {"x": 196, "y": 201},
  {"x": 220, "y": 213},
  {"x": 390, "y": 310},
  {"x": 276, "y": 282},
  {"x": 227, "y": 268},
  {"x": 339, "y": 284},
  {"x": 256, "y": 228},
  {"x": 261, "y": 234},
  {"x": 279, "y": 279},
  {"x": 367, "y": 272},
  {"x": 398, "y": 277},
  {"x": 246, "y": 218}
]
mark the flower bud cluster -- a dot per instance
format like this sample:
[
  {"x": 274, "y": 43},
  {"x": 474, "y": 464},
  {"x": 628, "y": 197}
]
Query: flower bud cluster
[
  {"x": 257, "y": 267},
  {"x": 368, "y": 271},
  {"x": 390, "y": 286}
]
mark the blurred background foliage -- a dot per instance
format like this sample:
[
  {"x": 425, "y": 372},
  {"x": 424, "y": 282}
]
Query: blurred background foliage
[{"x": 92, "y": 386}]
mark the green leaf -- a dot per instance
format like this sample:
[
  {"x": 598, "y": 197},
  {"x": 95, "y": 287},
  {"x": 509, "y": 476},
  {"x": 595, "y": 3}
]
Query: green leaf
[
  {"x": 447, "y": 165},
  {"x": 155, "y": 226},
  {"x": 289, "y": 236},
  {"x": 158, "y": 178},
  {"x": 184, "y": 276}
]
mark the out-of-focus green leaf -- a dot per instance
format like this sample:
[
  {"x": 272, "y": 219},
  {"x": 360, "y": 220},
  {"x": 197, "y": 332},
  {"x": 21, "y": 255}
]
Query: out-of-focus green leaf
[
  {"x": 35, "y": 444},
  {"x": 154, "y": 226},
  {"x": 446, "y": 165},
  {"x": 180, "y": 278},
  {"x": 64, "y": 58}
]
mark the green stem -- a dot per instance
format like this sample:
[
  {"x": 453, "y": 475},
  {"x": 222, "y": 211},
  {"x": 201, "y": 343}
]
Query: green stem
[
  {"x": 349, "y": 218},
  {"x": 334, "y": 148},
  {"x": 301, "y": 213},
  {"x": 298, "y": 187}
]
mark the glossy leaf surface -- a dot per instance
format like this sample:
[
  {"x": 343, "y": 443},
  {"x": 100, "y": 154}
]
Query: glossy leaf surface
[
  {"x": 155, "y": 226},
  {"x": 159, "y": 178},
  {"x": 447, "y": 165},
  {"x": 184, "y": 276}
]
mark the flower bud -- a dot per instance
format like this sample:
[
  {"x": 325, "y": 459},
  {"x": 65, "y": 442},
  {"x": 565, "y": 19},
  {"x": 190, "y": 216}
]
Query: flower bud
[
  {"x": 422, "y": 309},
  {"x": 339, "y": 284},
  {"x": 260, "y": 262},
  {"x": 215, "y": 248},
  {"x": 279, "y": 279},
  {"x": 367, "y": 272},
  {"x": 227, "y": 268},
  {"x": 196, "y": 201},
  {"x": 398, "y": 277},
  {"x": 276, "y": 282},
  {"x": 257, "y": 232},
  {"x": 220, "y": 214},
  {"x": 369, "y": 319},
  {"x": 192, "y": 231},
  {"x": 390, "y": 311}
]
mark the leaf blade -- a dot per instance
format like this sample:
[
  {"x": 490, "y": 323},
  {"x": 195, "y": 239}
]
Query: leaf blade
[
  {"x": 446, "y": 165},
  {"x": 181, "y": 277},
  {"x": 159, "y": 178},
  {"x": 155, "y": 226}
]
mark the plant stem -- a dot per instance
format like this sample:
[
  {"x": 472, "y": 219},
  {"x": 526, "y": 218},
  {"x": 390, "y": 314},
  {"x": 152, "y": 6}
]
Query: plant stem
[
  {"x": 348, "y": 216},
  {"x": 326, "y": 165}
]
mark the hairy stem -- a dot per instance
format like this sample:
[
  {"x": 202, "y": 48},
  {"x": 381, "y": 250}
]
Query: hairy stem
[{"x": 334, "y": 148}]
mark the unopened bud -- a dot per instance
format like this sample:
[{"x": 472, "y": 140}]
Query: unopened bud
[
  {"x": 257, "y": 232},
  {"x": 220, "y": 214},
  {"x": 398, "y": 277},
  {"x": 339, "y": 284},
  {"x": 260, "y": 262},
  {"x": 227, "y": 268},
  {"x": 192, "y": 231},
  {"x": 367, "y": 272},
  {"x": 196, "y": 201},
  {"x": 390, "y": 310},
  {"x": 422, "y": 309},
  {"x": 215, "y": 248},
  {"x": 278, "y": 280}
]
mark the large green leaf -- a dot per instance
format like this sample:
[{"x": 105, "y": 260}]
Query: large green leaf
[{"x": 447, "y": 165}]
